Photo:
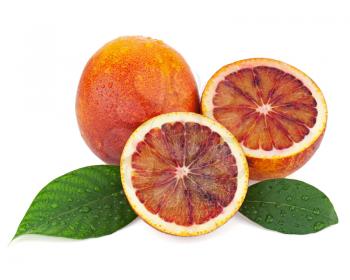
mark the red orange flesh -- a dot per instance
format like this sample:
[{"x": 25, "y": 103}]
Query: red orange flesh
[
  {"x": 265, "y": 107},
  {"x": 184, "y": 173},
  {"x": 271, "y": 108}
]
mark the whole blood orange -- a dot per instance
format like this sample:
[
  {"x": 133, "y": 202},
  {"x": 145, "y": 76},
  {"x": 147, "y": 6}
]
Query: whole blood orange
[
  {"x": 126, "y": 82},
  {"x": 276, "y": 112},
  {"x": 184, "y": 173}
]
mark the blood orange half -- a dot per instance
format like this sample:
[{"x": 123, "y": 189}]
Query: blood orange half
[
  {"x": 184, "y": 173},
  {"x": 276, "y": 112}
]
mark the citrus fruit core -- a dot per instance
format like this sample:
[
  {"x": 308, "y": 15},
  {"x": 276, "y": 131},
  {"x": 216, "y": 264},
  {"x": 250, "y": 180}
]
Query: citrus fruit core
[{"x": 185, "y": 173}]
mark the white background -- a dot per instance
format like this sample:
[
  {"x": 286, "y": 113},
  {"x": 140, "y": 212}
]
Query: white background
[{"x": 43, "y": 49}]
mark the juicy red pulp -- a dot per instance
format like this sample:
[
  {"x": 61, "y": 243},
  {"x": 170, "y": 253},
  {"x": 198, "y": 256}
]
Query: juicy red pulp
[
  {"x": 184, "y": 172},
  {"x": 265, "y": 107}
]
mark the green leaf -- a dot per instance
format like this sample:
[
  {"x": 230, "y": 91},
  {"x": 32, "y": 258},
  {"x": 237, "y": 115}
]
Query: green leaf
[
  {"x": 88, "y": 202},
  {"x": 288, "y": 206}
]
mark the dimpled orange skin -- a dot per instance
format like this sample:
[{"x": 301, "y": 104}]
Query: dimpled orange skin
[
  {"x": 261, "y": 169},
  {"x": 128, "y": 81}
]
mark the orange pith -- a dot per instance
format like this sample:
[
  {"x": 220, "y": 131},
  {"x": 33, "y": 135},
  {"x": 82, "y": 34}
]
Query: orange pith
[
  {"x": 184, "y": 172},
  {"x": 265, "y": 107}
]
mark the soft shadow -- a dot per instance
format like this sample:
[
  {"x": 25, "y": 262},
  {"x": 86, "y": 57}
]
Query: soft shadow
[
  {"x": 57, "y": 239},
  {"x": 229, "y": 228}
]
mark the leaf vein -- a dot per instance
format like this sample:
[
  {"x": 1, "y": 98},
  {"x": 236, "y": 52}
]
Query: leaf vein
[{"x": 288, "y": 205}]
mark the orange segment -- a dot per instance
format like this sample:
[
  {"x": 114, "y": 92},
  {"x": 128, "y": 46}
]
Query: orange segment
[
  {"x": 156, "y": 194},
  {"x": 281, "y": 139},
  {"x": 178, "y": 206},
  {"x": 267, "y": 79},
  {"x": 195, "y": 137},
  {"x": 174, "y": 135},
  {"x": 239, "y": 120},
  {"x": 286, "y": 85},
  {"x": 300, "y": 96},
  {"x": 258, "y": 135},
  {"x": 231, "y": 95},
  {"x": 295, "y": 130},
  {"x": 298, "y": 113},
  {"x": 156, "y": 141},
  {"x": 203, "y": 207},
  {"x": 154, "y": 162},
  {"x": 245, "y": 81}
]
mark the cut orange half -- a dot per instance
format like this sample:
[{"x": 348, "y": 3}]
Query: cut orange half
[
  {"x": 184, "y": 173},
  {"x": 276, "y": 112}
]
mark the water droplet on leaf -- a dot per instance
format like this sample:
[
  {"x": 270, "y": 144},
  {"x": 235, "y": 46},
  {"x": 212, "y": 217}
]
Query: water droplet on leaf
[
  {"x": 277, "y": 205},
  {"x": 316, "y": 211},
  {"x": 84, "y": 209},
  {"x": 269, "y": 219},
  {"x": 318, "y": 226}
]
